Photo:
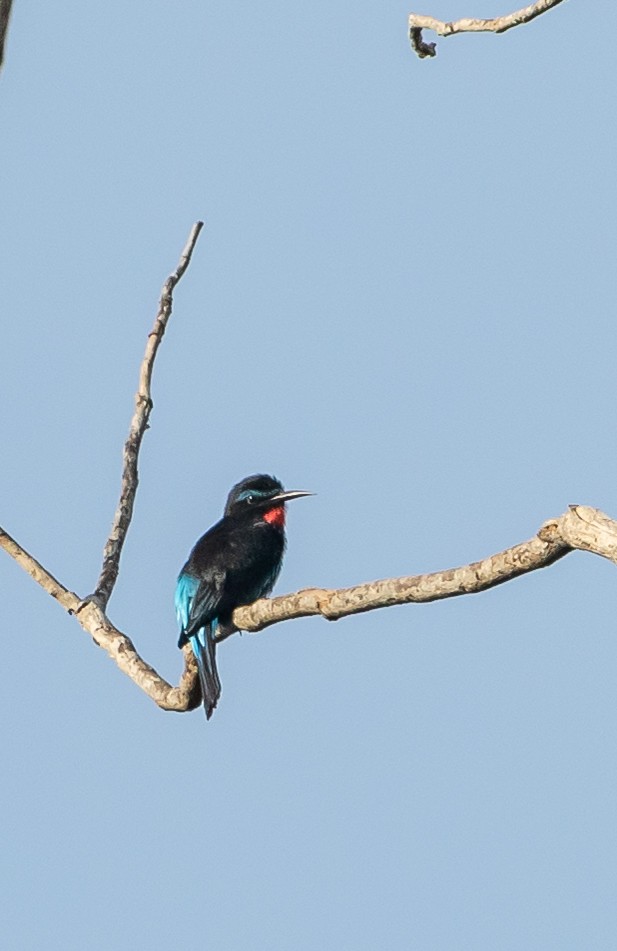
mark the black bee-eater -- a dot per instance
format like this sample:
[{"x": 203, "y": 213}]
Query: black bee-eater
[{"x": 236, "y": 562}]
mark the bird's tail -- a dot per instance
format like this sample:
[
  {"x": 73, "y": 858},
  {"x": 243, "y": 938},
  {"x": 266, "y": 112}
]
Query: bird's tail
[{"x": 204, "y": 648}]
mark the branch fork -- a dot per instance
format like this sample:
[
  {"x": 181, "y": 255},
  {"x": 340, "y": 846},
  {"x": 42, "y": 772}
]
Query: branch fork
[{"x": 580, "y": 528}]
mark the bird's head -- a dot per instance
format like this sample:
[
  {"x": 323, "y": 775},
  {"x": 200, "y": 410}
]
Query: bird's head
[{"x": 262, "y": 495}]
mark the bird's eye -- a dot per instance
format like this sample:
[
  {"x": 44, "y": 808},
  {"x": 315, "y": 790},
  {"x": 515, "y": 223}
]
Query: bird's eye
[{"x": 250, "y": 498}]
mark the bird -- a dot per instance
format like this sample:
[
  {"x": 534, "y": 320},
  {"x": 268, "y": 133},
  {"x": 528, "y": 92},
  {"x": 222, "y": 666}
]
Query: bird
[{"x": 236, "y": 562}]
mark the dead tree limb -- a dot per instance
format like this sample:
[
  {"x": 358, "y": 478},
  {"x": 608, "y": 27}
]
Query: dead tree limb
[
  {"x": 419, "y": 22},
  {"x": 581, "y": 527}
]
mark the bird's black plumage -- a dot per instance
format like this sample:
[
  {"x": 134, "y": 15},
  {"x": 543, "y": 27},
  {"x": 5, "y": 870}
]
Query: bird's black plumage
[{"x": 236, "y": 562}]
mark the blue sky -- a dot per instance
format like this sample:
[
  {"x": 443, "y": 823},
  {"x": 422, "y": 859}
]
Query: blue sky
[{"x": 402, "y": 300}]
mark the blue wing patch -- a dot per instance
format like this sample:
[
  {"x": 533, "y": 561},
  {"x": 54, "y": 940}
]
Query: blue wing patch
[{"x": 186, "y": 589}]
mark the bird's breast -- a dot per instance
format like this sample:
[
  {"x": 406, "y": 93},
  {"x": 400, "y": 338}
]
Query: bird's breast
[{"x": 275, "y": 516}]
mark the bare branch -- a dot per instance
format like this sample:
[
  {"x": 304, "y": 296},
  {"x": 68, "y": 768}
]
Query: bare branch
[
  {"x": 186, "y": 696},
  {"x": 120, "y": 648},
  {"x": 581, "y": 527},
  {"x": 5, "y": 14},
  {"x": 419, "y": 22},
  {"x": 139, "y": 424},
  {"x": 31, "y": 566}
]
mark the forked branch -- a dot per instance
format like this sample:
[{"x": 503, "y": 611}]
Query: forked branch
[
  {"x": 419, "y": 22},
  {"x": 581, "y": 527}
]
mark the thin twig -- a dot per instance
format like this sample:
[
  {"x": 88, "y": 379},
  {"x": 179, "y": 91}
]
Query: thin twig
[
  {"x": 32, "y": 567},
  {"x": 139, "y": 424},
  {"x": 419, "y": 22}
]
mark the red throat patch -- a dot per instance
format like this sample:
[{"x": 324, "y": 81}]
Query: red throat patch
[{"x": 275, "y": 516}]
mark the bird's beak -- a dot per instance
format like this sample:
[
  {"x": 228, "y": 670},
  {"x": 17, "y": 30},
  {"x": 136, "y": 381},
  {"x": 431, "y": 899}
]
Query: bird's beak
[{"x": 287, "y": 496}]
